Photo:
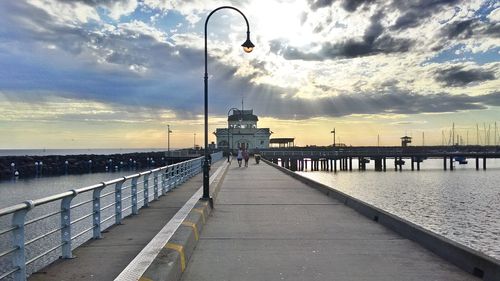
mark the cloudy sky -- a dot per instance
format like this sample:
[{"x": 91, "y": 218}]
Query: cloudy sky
[{"x": 114, "y": 73}]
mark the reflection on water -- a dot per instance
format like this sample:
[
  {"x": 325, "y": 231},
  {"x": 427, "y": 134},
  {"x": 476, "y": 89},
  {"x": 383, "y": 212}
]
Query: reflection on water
[{"x": 462, "y": 205}]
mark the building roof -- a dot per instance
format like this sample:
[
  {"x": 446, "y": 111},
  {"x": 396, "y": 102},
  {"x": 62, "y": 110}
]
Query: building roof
[
  {"x": 243, "y": 115},
  {"x": 281, "y": 140}
]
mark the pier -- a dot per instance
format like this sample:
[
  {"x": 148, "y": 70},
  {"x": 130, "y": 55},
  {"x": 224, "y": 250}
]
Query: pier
[
  {"x": 268, "y": 224},
  {"x": 341, "y": 158}
]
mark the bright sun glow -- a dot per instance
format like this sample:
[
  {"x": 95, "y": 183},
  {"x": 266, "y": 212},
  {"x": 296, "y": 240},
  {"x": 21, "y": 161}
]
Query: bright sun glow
[{"x": 280, "y": 20}]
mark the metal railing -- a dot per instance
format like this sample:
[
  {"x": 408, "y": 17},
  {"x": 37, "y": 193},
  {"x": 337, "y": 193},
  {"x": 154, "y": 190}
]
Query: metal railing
[{"x": 69, "y": 223}]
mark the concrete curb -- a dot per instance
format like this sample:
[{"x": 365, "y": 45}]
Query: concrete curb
[
  {"x": 173, "y": 258},
  {"x": 469, "y": 260}
]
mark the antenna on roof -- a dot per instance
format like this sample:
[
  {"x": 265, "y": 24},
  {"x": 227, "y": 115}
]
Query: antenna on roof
[{"x": 242, "y": 104}]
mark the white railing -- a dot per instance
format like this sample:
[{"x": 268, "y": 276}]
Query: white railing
[{"x": 66, "y": 220}]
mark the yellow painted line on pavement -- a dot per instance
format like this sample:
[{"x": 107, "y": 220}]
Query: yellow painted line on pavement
[
  {"x": 180, "y": 250},
  {"x": 193, "y": 226},
  {"x": 145, "y": 279}
]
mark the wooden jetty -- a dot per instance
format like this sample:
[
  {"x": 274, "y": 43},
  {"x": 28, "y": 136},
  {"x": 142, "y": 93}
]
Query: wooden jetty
[{"x": 341, "y": 158}]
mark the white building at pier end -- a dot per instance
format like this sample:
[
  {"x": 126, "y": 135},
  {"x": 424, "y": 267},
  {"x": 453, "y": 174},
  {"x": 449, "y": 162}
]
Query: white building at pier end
[{"x": 242, "y": 131}]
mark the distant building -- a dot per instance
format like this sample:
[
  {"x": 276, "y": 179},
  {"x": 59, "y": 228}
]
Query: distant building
[
  {"x": 243, "y": 132},
  {"x": 282, "y": 142},
  {"x": 405, "y": 141}
]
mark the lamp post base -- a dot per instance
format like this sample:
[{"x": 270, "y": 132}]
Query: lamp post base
[{"x": 210, "y": 201}]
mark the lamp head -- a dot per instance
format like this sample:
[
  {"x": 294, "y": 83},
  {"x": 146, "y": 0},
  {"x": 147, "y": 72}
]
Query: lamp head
[{"x": 248, "y": 45}]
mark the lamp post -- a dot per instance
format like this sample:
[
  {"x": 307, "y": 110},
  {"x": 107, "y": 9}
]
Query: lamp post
[
  {"x": 228, "y": 146},
  {"x": 333, "y": 132},
  {"x": 168, "y": 140},
  {"x": 247, "y": 47}
]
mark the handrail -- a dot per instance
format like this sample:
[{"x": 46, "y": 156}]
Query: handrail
[{"x": 163, "y": 179}]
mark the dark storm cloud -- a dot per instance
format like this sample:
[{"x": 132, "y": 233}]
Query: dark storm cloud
[{"x": 457, "y": 76}]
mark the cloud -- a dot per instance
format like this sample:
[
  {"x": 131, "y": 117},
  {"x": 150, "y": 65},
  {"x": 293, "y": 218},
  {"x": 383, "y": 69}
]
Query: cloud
[
  {"x": 134, "y": 64},
  {"x": 373, "y": 42},
  {"x": 350, "y": 48},
  {"x": 458, "y": 76},
  {"x": 461, "y": 28},
  {"x": 317, "y": 4},
  {"x": 348, "y": 5},
  {"x": 492, "y": 99},
  {"x": 412, "y": 13},
  {"x": 466, "y": 29},
  {"x": 390, "y": 102},
  {"x": 115, "y": 8}
]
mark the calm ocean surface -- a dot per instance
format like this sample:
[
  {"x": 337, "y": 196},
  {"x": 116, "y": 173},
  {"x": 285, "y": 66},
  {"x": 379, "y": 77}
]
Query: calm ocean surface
[{"x": 462, "y": 205}]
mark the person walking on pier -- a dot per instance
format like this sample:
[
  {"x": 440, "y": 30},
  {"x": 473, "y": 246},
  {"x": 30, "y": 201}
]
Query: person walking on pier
[
  {"x": 239, "y": 157},
  {"x": 246, "y": 157}
]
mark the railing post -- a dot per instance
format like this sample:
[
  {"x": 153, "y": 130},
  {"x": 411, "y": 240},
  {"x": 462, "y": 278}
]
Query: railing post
[
  {"x": 66, "y": 225},
  {"x": 133, "y": 191},
  {"x": 184, "y": 172},
  {"x": 118, "y": 201},
  {"x": 163, "y": 182},
  {"x": 155, "y": 185},
  {"x": 176, "y": 175},
  {"x": 168, "y": 178},
  {"x": 18, "y": 238},
  {"x": 146, "y": 190},
  {"x": 189, "y": 169},
  {"x": 96, "y": 207},
  {"x": 171, "y": 177}
]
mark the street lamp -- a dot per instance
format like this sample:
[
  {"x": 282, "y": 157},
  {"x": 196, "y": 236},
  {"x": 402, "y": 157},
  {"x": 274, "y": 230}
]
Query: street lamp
[
  {"x": 247, "y": 47},
  {"x": 168, "y": 140},
  {"x": 228, "y": 147},
  {"x": 333, "y": 132}
]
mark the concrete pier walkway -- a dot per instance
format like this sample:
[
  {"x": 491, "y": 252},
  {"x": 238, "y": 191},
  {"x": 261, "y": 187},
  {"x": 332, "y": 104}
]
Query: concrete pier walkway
[{"x": 268, "y": 226}]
